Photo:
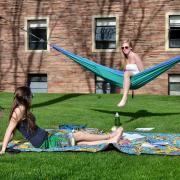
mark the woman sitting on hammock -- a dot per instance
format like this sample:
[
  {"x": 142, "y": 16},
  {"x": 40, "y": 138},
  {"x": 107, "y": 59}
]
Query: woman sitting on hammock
[
  {"x": 23, "y": 120},
  {"x": 133, "y": 65}
]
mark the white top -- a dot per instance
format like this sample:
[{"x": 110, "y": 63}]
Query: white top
[{"x": 132, "y": 68}]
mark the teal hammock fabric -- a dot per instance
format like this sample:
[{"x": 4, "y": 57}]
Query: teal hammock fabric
[{"x": 115, "y": 76}]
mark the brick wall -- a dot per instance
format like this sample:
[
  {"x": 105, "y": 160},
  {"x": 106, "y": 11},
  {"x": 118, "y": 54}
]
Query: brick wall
[{"x": 70, "y": 26}]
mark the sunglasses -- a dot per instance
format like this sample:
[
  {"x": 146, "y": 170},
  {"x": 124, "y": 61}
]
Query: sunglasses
[{"x": 125, "y": 47}]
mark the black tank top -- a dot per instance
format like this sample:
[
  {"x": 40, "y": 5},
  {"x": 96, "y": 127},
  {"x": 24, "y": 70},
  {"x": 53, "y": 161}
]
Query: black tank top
[{"x": 36, "y": 138}]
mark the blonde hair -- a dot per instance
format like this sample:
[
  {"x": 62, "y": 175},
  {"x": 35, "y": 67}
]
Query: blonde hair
[
  {"x": 128, "y": 41},
  {"x": 124, "y": 61}
]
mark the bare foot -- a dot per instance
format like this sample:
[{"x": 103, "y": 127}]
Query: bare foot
[
  {"x": 118, "y": 136},
  {"x": 122, "y": 102},
  {"x": 114, "y": 133},
  {"x": 120, "y": 131}
]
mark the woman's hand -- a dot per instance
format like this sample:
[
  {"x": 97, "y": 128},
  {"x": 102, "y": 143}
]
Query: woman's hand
[{"x": 2, "y": 152}]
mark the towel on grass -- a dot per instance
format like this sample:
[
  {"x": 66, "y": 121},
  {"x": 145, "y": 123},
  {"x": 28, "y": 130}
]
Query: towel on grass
[{"x": 133, "y": 143}]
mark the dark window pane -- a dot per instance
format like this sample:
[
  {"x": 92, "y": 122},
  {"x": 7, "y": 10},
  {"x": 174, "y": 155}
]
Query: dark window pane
[
  {"x": 105, "y": 45},
  {"x": 105, "y": 33},
  {"x": 174, "y": 38},
  {"x": 39, "y": 43},
  {"x": 38, "y": 78},
  {"x": 174, "y": 33}
]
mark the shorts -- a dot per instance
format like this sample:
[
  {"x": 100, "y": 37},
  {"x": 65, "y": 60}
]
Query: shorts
[{"x": 58, "y": 140}]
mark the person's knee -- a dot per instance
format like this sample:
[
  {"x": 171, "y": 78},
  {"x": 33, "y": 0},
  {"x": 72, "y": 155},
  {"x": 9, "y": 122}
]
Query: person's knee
[
  {"x": 127, "y": 74},
  {"x": 78, "y": 135},
  {"x": 81, "y": 134}
]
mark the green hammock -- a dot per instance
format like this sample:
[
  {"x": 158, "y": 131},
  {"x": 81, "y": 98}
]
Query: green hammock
[{"x": 116, "y": 77}]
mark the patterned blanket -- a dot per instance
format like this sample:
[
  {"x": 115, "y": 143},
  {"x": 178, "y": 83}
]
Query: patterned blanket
[{"x": 133, "y": 143}]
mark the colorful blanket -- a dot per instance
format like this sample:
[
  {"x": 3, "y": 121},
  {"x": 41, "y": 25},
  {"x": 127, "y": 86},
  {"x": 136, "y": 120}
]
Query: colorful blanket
[
  {"x": 151, "y": 143},
  {"x": 133, "y": 143}
]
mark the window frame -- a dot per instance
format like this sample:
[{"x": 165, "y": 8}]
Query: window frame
[
  {"x": 106, "y": 87},
  {"x": 40, "y": 75},
  {"x": 167, "y": 27},
  {"x": 27, "y": 37},
  {"x": 93, "y": 33},
  {"x": 169, "y": 83}
]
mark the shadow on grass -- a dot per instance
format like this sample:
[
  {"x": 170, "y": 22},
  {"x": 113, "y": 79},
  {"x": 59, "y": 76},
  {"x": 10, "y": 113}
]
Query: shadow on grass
[
  {"x": 137, "y": 114},
  {"x": 56, "y": 100}
]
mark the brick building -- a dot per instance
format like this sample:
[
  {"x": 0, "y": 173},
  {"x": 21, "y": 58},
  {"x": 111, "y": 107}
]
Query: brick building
[{"x": 78, "y": 25}]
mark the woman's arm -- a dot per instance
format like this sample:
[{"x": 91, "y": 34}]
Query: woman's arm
[
  {"x": 16, "y": 117},
  {"x": 139, "y": 63}
]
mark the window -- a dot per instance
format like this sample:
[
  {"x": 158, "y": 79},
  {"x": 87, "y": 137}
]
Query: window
[
  {"x": 174, "y": 31},
  {"x": 105, "y": 33},
  {"x": 174, "y": 84},
  {"x": 38, "y": 83},
  {"x": 37, "y": 34},
  {"x": 103, "y": 87}
]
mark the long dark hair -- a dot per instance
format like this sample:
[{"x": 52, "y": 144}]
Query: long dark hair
[{"x": 23, "y": 96}]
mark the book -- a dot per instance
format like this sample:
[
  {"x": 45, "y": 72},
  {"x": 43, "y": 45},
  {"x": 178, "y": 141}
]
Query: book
[
  {"x": 132, "y": 136},
  {"x": 160, "y": 143},
  {"x": 144, "y": 129},
  {"x": 154, "y": 145}
]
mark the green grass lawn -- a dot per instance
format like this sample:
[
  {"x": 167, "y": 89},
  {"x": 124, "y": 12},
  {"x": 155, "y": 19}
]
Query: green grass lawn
[{"x": 161, "y": 112}]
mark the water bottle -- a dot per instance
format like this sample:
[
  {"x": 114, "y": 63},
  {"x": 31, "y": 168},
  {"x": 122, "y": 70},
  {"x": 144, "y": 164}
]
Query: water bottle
[{"x": 117, "y": 122}]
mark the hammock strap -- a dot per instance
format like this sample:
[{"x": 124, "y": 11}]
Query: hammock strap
[{"x": 132, "y": 94}]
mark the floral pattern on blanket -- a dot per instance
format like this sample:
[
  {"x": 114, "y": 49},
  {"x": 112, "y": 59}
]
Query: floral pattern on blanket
[
  {"x": 147, "y": 143},
  {"x": 25, "y": 146},
  {"x": 152, "y": 143}
]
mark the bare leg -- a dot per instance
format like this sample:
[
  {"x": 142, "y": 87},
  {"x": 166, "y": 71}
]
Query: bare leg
[
  {"x": 84, "y": 136},
  {"x": 126, "y": 87},
  {"x": 114, "y": 139}
]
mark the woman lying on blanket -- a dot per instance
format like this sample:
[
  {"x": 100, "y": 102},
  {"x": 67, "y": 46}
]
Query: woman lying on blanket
[{"x": 23, "y": 120}]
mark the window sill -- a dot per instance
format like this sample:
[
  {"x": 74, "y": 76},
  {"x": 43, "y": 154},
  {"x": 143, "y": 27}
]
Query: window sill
[
  {"x": 105, "y": 50},
  {"x": 37, "y": 51},
  {"x": 172, "y": 49}
]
